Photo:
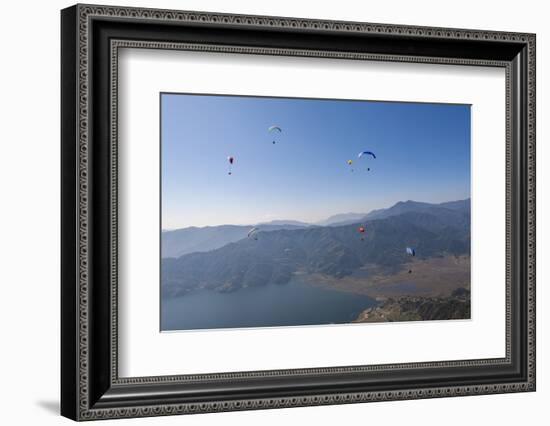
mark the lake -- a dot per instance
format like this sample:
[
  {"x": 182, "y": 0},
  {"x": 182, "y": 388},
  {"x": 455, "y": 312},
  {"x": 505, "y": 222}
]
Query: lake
[{"x": 294, "y": 303}]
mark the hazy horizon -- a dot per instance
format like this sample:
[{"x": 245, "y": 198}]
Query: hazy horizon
[
  {"x": 311, "y": 223},
  {"x": 422, "y": 150}
]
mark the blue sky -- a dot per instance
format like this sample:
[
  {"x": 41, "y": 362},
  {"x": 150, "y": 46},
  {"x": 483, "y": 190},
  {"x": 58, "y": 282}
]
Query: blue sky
[{"x": 422, "y": 150}]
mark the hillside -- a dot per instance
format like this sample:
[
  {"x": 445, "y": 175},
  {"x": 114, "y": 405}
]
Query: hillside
[
  {"x": 179, "y": 242},
  {"x": 342, "y": 219},
  {"x": 447, "y": 208}
]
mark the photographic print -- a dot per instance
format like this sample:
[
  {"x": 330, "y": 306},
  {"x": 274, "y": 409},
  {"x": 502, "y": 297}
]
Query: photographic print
[{"x": 296, "y": 211}]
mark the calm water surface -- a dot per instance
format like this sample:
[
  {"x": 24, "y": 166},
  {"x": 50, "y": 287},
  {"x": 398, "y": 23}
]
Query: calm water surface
[{"x": 295, "y": 303}]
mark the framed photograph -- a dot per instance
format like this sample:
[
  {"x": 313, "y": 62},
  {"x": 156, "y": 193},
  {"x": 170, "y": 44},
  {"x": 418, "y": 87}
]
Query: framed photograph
[{"x": 263, "y": 212}]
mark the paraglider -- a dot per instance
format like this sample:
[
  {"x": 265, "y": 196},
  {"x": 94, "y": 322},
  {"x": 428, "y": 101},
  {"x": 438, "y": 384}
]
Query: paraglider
[
  {"x": 253, "y": 234},
  {"x": 274, "y": 130},
  {"x": 230, "y": 159},
  {"x": 361, "y": 230},
  {"x": 411, "y": 252},
  {"x": 350, "y": 163},
  {"x": 366, "y": 153}
]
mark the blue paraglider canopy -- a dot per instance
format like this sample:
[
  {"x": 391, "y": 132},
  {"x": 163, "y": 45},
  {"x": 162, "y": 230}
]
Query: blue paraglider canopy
[{"x": 366, "y": 153}]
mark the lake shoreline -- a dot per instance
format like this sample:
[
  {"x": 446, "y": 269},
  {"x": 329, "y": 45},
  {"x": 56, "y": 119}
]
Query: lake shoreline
[{"x": 295, "y": 303}]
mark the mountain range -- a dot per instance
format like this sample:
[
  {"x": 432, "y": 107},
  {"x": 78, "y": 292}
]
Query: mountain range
[
  {"x": 337, "y": 251},
  {"x": 416, "y": 206},
  {"x": 342, "y": 219},
  {"x": 178, "y": 242}
]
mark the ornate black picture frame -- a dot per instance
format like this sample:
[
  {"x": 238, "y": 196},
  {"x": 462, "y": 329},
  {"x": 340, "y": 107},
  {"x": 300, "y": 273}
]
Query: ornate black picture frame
[{"x": 91, "y": 387}]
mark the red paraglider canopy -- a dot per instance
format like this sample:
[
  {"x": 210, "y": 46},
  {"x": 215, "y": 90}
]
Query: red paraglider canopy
[{"x": 361, "y": 229}]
